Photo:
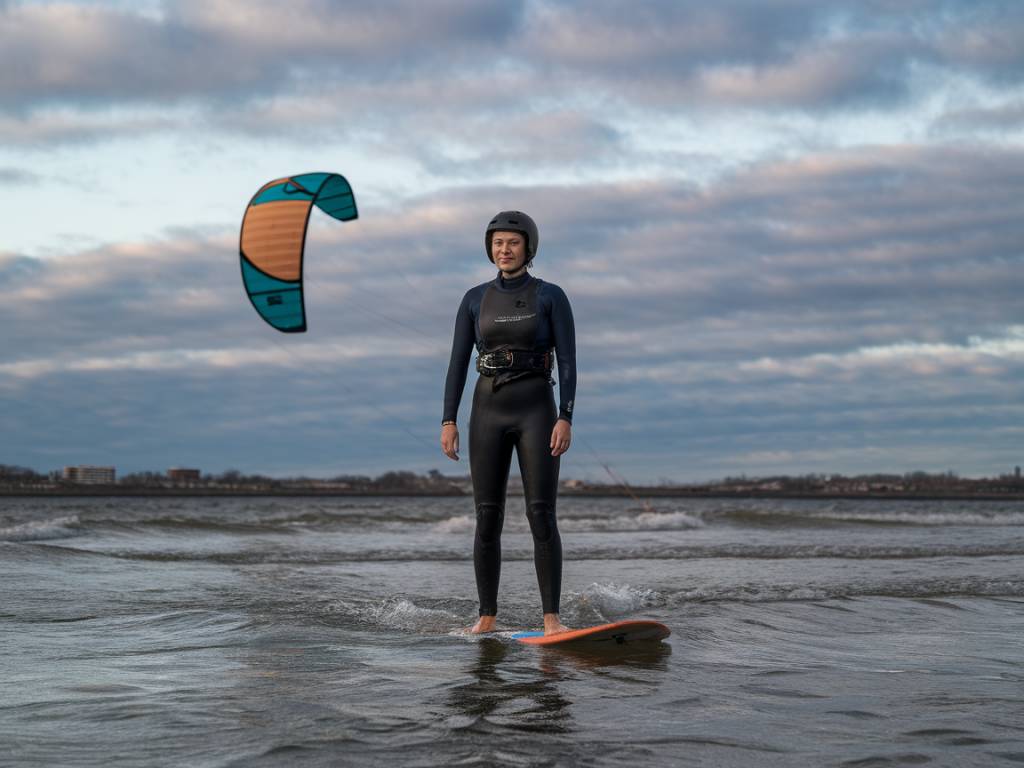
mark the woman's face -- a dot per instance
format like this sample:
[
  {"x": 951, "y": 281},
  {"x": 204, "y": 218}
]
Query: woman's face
[{"x": 508, "y": 249}]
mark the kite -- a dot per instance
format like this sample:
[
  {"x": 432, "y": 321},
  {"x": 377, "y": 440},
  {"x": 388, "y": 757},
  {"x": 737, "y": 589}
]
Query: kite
[{"x": 273, "y": 240}]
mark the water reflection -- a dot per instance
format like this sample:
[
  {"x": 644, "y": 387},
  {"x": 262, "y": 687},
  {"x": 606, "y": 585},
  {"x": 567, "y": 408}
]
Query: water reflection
[
  {"x": 639, "y": 656},
  {"x": 523, "y": 688},
  {"x": 506, "y": 692}
]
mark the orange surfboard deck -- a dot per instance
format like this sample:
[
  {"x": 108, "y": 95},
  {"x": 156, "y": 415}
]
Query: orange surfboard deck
[{"x": 602, "y": 636}]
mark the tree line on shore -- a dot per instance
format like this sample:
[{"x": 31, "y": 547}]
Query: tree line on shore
[
  {"x": 403, "y": 482},
  {"x": 233, "y": 478}
]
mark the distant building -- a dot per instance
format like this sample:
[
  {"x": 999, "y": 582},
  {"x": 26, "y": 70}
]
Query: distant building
[
  {"x": 89, "y": 475},
  {"x": 1016, "y": 472},
  {"x": 178, "y": 475}
]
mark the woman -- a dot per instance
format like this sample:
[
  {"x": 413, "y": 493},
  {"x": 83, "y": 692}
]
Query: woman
[{"x": 515, "y": 322}]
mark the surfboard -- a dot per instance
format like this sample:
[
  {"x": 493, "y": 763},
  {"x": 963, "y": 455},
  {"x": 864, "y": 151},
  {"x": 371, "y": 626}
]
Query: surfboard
[{"x": 601, "y": 636}]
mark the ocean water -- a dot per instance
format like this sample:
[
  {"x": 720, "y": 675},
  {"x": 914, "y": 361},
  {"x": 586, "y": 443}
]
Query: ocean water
[{"x": 325, "y": 632}]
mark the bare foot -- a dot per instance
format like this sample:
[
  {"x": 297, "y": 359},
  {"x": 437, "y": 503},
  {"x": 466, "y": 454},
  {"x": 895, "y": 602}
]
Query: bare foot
[
  {"x": 553, "y": 625},
  {"x": 485, "y": 624}
]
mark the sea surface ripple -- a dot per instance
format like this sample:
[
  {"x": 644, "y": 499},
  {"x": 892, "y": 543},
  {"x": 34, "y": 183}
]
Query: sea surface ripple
[{"x": 223, "y": 632}]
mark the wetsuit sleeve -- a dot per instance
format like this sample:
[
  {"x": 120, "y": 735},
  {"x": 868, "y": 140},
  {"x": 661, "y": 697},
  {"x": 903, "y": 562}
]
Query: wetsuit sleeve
[
  {"x": 462, "y": 350},
  {"x": 565, "y": 350}
]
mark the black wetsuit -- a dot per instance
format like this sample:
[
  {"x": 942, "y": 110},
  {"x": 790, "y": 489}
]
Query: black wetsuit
[{"x": 514, "y": 409}]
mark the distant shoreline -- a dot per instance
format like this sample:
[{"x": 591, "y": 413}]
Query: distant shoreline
[{"x": 637, "y": 493}]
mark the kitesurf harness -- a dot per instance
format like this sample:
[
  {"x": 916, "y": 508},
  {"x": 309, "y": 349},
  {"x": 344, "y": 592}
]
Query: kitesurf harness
[{"x": 506, "y": 360}]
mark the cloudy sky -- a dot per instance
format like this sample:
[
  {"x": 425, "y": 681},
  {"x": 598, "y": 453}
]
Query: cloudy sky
[{"x": 791, "y": 231}]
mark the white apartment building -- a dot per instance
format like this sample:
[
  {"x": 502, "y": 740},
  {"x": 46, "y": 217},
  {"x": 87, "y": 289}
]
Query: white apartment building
[{"x": 89, "y": 475}]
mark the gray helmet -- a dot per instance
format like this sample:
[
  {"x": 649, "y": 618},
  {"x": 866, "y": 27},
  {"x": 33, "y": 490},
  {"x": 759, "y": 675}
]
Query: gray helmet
[{"x": 513, "y": 221}]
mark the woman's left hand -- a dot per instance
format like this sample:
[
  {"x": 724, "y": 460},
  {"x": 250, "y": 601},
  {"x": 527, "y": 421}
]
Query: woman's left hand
[{"x": 561, "y": 437}]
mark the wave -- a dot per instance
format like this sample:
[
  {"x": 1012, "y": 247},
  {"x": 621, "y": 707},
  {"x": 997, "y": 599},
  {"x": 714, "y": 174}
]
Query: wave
[
  {"x": 626, "y": 523},
  {"x": 453, "y": 524},
  {"x": 457, "y": 524},
  {"x": 617, "y": 523},
  {"x": 931, "y": 518},
  {"x": 412, "y": 518},
  {"x": 400, "y": 613},
  {"x": 295, "y": 523},
  {"x": 43, "y": 530},
  {"x": 458, "y": 551},
  {"x": 601, "y": 603},
  {"x": 595, "y": 604},
  {"x": 830, "y": 516},
  {"x": 921, "y": 590},
  {"x": 645, "y": 521},
  {"x": 799, "y": 552}
]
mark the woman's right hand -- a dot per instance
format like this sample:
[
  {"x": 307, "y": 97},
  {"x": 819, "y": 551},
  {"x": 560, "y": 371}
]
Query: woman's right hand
[{"x": 450, "y": 441}]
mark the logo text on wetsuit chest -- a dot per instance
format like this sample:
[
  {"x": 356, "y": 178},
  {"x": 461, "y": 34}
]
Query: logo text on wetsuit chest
[{"x": 513, "y": 318}]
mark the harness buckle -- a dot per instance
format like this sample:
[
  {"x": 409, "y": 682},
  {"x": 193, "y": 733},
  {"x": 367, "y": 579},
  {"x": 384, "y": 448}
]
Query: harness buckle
[{"x": 491, "y": 361}]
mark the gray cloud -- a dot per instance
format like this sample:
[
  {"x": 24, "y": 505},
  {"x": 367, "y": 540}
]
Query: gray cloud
[
  {"x": 63, "y": 52},
  {"x": 18, "y": 176},
  {"x": 749, "y": 53},
  {"x": 274, "y": 68},
  {"x": 986, "y": 38},
  {"x": 788, "y": 54},
  {"x": 972, "y": 120},
  {"x": 885, "y": 236},
  {"x": 14, "y": 268},
  {"x": 865, "y": 299},
  {"x": 52, "y": 127}
]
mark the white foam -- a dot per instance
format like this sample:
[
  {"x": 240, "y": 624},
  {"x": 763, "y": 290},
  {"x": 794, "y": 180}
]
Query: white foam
[
  {"x": 613, "y": 599},
  {"x": 928, "y": 518},
  {"x": 645, "y": 521},
  {"x": 401, "y": 613},
  {"x": 456, "y": 524},
  {"x": 667, "y": 521},
  {"x": 42, "y": 530}
]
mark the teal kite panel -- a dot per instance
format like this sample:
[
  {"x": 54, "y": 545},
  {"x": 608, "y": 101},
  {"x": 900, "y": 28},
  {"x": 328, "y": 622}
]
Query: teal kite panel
[
  {"x": 336, "y": 199},
  {"x": 279, "y": 302}
]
